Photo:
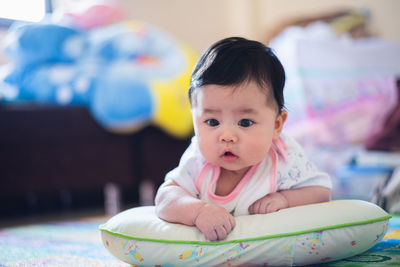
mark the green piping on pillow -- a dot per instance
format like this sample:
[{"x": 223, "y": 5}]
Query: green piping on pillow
[{"x": 101, "y": 227}]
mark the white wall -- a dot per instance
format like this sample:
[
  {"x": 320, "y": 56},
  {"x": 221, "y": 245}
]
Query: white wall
[
  {"x": 202, "y": 22},
  {"x": 197, "y": 22},
  {"x": 384, "y": 19}
]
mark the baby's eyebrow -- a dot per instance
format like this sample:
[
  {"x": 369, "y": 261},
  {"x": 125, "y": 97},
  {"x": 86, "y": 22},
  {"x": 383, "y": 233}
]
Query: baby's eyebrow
[
  {"x": 248, "y": 111},
  {"x": 239, "y": 111},
  {"x": 212, "y": 111}
]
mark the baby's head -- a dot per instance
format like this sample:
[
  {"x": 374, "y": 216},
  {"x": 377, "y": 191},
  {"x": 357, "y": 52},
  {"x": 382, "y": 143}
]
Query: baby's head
[
  {"x": 234, "y": 61},
  {"x": 236, "y": 93}
]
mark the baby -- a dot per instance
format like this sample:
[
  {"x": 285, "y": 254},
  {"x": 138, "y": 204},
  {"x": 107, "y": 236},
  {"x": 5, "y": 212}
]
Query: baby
[{"x": 239, "y": 162}]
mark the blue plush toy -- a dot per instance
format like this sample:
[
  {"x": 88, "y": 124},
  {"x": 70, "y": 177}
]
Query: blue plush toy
[
  {"x": 37, "y": 49},
  {"x": 128, "y": 74},
  {"x": 122, "y": 103},
  {"x": 43, "y": 42}
]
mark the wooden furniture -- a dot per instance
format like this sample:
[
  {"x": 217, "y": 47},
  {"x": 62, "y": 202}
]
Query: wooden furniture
[{"x": 54, "y": 158}]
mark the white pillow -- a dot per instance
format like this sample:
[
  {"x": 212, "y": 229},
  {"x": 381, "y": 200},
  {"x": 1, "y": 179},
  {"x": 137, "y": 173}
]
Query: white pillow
[{"x": 295, "y": 236}]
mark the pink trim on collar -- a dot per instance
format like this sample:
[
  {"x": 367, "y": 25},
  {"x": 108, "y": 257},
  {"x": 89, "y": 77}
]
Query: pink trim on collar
[
  {"x": 228, "y": 198},
  {"x": 272, "y": 172},
  {"x": 202, "y": 175},
  {"x": 277, "y": 149},
  {"x": 216, "y": 171}
]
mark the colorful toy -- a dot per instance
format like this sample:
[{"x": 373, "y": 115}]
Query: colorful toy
[
  {"x": 172, "y": 101},
  {"x": 129, "y": 74}
]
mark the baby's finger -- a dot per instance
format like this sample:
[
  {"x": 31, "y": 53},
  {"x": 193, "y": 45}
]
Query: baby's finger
[
  {"x": 228, "y": 226},
  {"x": 221, "y": 232},
  {"x": 232, "y": 222},
  {"x": 271, "y": 208},
  {"x": 254, "y": 207},
  {"x": 263, "y": 207},
  {"x": 211, "y": 235},
  {"x": 251, "y": 209}
]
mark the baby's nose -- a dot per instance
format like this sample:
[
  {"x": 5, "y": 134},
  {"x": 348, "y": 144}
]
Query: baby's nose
[{"x": 228, "y": 136}]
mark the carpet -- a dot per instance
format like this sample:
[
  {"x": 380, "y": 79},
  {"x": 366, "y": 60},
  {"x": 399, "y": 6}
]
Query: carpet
[
  {"x": 78, "y": 243},
  {"x": 70, "y": 243}
]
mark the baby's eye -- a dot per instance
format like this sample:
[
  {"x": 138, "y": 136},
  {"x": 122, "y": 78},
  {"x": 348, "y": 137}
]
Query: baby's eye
[
  {"x": 212, "y": 122},
  {"x": 245, "y": 122}
]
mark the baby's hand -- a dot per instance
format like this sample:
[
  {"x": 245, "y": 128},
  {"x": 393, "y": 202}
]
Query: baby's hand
[
  {"x": 270, "y": 203},
  {"x": 214, "y": 222}
]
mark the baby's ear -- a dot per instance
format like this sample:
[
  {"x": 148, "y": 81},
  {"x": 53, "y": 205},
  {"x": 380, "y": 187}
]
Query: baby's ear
[{"x": 279, "y": 122}]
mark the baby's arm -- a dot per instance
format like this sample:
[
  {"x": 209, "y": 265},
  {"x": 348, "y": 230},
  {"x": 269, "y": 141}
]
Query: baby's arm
[
  {"x": 290, "y": 198},
  {"x": 174, "y": 204}
]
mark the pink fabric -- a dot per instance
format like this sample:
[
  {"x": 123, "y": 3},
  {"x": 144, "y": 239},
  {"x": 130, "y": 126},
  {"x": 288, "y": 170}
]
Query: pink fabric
[
  {"x": 228, "y": 198},
  {"x": 277, "y": 149},
  {"x": 202, "y": 175},
  {"x": 96, "y": 15}
]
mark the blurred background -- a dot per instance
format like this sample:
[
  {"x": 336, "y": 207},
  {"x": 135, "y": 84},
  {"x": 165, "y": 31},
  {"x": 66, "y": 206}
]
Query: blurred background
[{"x": 93, "y": 94}]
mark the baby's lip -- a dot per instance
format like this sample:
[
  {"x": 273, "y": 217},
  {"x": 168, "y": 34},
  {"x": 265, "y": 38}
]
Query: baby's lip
[
  {"x": 226, "y": 151},
  {"x": 229, "y": 156}
]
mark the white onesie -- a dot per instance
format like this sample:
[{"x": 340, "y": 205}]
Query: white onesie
[{"x": 285, "y": 167}]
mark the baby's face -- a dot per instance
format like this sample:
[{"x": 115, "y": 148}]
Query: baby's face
[{"x": 235, "y": 127}]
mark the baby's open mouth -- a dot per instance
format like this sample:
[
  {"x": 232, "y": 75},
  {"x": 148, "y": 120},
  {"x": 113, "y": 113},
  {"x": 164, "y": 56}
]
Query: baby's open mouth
[{"x": 229, "y": 156}]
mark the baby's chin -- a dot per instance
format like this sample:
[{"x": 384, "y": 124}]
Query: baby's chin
[
  {"x": 234, "y": 167},
  {"x": 237, "y": 164}
]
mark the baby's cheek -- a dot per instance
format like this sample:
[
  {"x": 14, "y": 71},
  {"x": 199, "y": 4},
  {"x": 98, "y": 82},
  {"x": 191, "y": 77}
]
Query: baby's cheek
[
  {"x": 207, "y": 149},
  {"x": 258, "y": 151}
]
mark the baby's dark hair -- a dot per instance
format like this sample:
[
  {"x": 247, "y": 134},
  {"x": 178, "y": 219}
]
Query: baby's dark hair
[{"x": 235, "y": 60}]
